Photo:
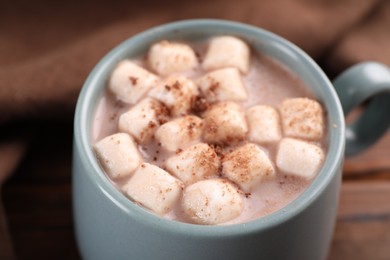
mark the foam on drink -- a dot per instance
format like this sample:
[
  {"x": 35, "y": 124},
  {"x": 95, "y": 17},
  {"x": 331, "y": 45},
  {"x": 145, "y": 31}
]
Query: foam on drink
[{"x": 202, "y": 97}]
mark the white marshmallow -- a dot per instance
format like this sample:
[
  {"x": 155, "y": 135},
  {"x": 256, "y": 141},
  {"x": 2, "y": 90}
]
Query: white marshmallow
[
  {"x": 166, "y": 58},
  {"x": 143, "y": 119},
  {"x": 227, "y": 51},
  {"x": 118, "y": 155},
  {"x": 179, "y": 133},
  {"x": 177, "y": 93},
  {"x": 212, "y": 202},
  {"x": 247, "y": 166},
  {"x": 264, "y": 124},
  {"x": 129, "y": 82},
  {"x": 222, "y": 85},
  {"x": 299, "y": 158},
  {"x": 302, "y": 118},
  {"x": 153, "y": 188},
  {"x": 224, "y": 123},
  {"x": 194, "y": 163}
]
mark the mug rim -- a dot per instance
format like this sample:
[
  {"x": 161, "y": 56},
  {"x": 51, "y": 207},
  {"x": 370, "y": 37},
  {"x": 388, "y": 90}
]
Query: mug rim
[{"x": 82, "y": 142}]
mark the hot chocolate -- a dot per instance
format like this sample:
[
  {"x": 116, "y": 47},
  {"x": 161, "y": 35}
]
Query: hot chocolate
[{"x": 208, "y": 132}]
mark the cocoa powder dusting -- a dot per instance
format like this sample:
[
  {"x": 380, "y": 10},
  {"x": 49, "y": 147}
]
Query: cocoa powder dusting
[
  {"x": 199, "y": 105},
  {"x": 133, "y": 80},
  {"x": 176, "y": 85},
  {"x": 220, "y": 151},
  {"x": 151, "y": 125}
]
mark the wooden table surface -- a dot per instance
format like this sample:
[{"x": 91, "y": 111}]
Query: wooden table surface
[{"x": 37, "y": 200}]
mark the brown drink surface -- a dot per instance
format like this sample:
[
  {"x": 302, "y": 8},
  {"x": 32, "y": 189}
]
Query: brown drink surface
[{"x": 267, "y": 83}]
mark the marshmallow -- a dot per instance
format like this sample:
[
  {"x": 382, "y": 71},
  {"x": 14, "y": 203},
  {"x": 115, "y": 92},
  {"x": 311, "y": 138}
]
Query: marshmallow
[
  {"x": 223, "y": 84},
  {"x": 143, "y": 119},
  {"x": 247, "y": 166},
  {"x": 227, "y": 51},
  {"x": 264, "y": 124},
  {"x": 118, "y": 155},
  {"x": 177, "y": 93},
  {"x": 299, "y": 158},
  {"x": 169, "y": 57},
  {"x": 153, "y": 188},
  {"x": 224, "y": 123},
  {"x": 212, "y": 202},
  {"x": 129, "y": 82},
  {"x": 302, "y": 118},
  {"x": 179, "y": 133},
  {"x": 194, "y": 163}
]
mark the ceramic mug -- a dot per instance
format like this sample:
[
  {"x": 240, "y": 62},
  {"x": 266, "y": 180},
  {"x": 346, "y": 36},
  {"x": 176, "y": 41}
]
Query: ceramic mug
[{"x": 109, "y": 226}]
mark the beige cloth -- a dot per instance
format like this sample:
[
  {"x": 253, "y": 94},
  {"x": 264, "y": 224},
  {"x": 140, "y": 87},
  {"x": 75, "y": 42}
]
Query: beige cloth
[{"x": 47, "y": 50}]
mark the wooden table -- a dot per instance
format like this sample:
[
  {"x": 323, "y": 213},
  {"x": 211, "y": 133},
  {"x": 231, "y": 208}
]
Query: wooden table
[{"x": 37, "y": 201}]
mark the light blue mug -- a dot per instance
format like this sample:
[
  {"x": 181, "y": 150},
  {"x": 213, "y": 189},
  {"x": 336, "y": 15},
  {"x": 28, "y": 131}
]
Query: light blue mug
[{"x": 109, "y": 226}]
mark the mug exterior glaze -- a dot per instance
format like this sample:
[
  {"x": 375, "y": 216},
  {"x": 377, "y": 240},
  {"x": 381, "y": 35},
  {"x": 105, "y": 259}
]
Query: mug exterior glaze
[{"x": 110, "y": 226}]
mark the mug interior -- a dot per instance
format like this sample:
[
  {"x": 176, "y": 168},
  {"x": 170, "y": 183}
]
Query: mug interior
[{"x": 260, "y": 40}]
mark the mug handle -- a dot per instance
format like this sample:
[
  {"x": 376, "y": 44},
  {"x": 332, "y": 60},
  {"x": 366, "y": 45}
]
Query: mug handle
[{"x": 368, "y": 81}]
